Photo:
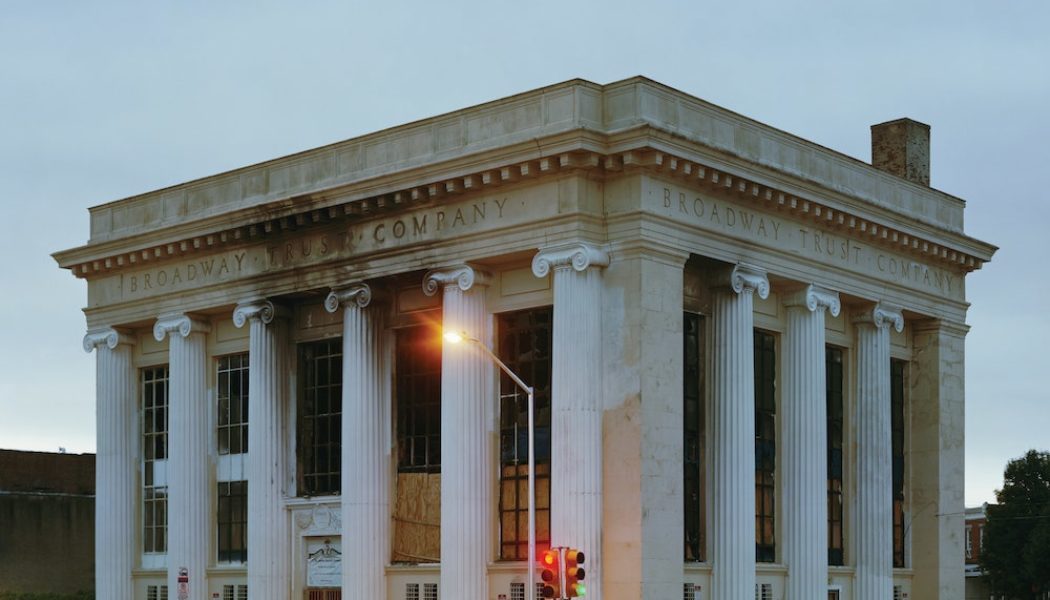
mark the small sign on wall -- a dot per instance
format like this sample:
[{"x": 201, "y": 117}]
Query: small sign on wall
[{"x": 324, "y": 563}]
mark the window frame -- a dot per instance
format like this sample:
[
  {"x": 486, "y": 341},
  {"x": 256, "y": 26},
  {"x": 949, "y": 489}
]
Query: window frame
[{"x": 308, "y": 470}]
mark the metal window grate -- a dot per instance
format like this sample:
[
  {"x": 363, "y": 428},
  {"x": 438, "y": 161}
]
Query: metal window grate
[
  {"x": 898, "y": 593},
  {"x": 154, "y": 448},
  {"x": 517, "y": 591},
  {"x": 411, "y": 591},
  {"x": 525, "y": 346},
  {"x": 689, "y": 591},
  {"x": 232, "y": 393},
  {"x": 156, "y": 592},
  {"x": 235, "y": 592},
  {"x": 430, "y": 591},
  {"x": 763, "y": 591},
  {"x": 232, "y": 522},
  {"x": 320, "y": 417}
]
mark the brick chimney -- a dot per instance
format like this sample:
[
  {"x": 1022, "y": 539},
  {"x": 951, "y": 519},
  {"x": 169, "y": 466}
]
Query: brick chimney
[{"x": 902, "y": 147}]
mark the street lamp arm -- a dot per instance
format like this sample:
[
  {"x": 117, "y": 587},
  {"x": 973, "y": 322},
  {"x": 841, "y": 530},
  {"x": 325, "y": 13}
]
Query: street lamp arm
[{"x": 503, "y": 367}]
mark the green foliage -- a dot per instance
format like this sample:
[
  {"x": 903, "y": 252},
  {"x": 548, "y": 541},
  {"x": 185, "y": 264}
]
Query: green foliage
[
  {"x": 1016, "y": 551},
  {"x": 46, "y": 596}
]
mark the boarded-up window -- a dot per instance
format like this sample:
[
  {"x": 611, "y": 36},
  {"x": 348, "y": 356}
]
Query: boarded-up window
[{"x": 417, "y": 502}]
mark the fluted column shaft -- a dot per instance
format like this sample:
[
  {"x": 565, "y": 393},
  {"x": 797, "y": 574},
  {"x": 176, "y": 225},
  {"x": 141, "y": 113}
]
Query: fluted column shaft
[
  {"x": 733, "y": 433},
  {"x": 116, "y": 462},
  {"x": 268, "y": 536},
  {"x": 366, "y": 444},
  {"x": 189, "y": 508},
  {"x": 804, "y": 464},
  {"x": 576, "y": 402},
  {"x": 467, "y": 409},
  {"x": 874, "y": 504}
]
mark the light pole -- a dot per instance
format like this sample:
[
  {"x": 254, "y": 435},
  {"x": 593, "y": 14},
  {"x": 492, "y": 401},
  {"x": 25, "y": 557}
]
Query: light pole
[{"x": 455, "y": 338}]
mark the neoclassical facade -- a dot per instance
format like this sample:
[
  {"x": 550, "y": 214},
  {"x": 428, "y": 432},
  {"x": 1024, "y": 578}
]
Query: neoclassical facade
[{"x": 747, "y": 351}]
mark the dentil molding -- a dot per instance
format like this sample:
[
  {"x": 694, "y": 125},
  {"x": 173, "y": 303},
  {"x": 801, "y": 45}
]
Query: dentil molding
[
  {"x": 463, "y": 276},
  {"x": 578, "y": 256},
  {"x": 355, "y": 293},
  {"x": 815, "y": 297},
  {"x": 180, "y": 323},
  {"x": 108, "y": 336}
]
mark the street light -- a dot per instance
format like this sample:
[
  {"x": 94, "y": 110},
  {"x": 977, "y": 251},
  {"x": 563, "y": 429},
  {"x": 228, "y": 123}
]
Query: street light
[{"x": 458, "y": 337}]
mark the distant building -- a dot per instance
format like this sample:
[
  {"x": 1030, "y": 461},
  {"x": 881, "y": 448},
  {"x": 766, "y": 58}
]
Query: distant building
[
  {"x": 47, "y": 522},
  {"x": 976, "y": 582},
  {"x": 747, "y": 349}
]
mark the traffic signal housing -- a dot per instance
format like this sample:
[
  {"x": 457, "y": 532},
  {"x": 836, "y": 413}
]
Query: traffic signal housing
[
  {"x": 550, "y": 561},
  {"x": 575, "y": 574}
]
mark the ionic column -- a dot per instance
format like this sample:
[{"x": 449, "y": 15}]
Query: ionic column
[
  {"x": 874, "y": 505},
  {"x": 366, "y": 443},
  {"x": 804, "y": 426},
  {"x": 576, "y": 401},
  {"x": 733, "y": 432},
  {"x": 468, "y": 403},
  {"x": 189, "y": 489},
  {"x": 268, "y": 551},
  {"x": 116, "y": 461}
]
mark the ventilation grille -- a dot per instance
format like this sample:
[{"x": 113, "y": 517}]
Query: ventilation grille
[
  {"x": 898, "y": 593},
  {"x": 156, "y": 592},
  {"x": 235, "y": 592},
  {"x": 691, "y": 591},
  {"x": 763, "y": 591},
  {"x": 430, "y": 591},
  {"x": 517, "y": 591},
  {"x": 411, "y": 591},
  {"x": 330, "y": 594}
]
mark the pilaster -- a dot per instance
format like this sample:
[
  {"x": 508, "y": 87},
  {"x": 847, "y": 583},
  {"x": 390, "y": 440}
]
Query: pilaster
[
  {"x": 642, "y": 503},
  {"x": 366, "y": 443},
  {"x": 804, "y": 426},
  {"x": 576, "y": 402},
  {"x": 467, "y": 425},
  {"x": 937, "y": 460},
  {"x": 268, "y": 535},
  {"x": 733, "y": 431},
  {"x": 873, "y": 503},
  {"x": 189, "y": 507},
  {"x": 116, "y": 461}
]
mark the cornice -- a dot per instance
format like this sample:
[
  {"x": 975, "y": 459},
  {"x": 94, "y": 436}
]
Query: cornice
[
  {"x": 462, "y": 276},
  {"x": 950, "y": 249},
  {"x": 107, "y": 336},
  {"x": 814, "y": 297},
  {"x": 355, "y": 294},
  {"x": 882, "y": 315},
  {"x": 178, "y": 323},
  {"x": 578, "y": 256}
]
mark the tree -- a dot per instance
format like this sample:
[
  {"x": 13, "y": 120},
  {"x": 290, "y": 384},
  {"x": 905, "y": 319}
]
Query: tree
[{"x": 1016, "y": 552}]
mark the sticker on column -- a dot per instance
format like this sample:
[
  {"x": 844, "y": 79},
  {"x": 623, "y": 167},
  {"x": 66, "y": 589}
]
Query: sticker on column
[{"x": 184, "y": 583}]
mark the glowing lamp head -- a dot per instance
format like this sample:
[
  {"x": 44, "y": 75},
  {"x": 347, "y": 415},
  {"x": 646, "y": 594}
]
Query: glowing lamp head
[{"x": 453, "y": 337}]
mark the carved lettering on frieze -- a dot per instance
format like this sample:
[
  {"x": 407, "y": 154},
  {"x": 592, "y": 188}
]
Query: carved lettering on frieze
[{"x": 803, "y": 240}]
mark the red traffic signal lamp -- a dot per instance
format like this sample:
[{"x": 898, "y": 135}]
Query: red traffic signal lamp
[
  {"x": 550, "y": 562},
  {"x": 574, "y": 574}
]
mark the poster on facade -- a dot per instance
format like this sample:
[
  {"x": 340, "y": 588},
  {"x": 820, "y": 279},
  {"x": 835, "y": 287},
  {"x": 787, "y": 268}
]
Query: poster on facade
[{"x": 324, "y": 563}]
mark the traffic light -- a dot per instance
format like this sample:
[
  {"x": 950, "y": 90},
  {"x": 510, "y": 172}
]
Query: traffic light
[
  {"x": 550, "y": 561},
  {"x": 574, "y": 574}
]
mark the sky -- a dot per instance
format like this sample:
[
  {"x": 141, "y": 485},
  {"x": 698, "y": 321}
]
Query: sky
[{"x": 102, "y": 100}]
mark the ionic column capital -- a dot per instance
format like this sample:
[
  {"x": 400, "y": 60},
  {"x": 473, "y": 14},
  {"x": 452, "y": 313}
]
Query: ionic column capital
[
  {"x": 814, "y": 298},
  {"x": 259, "y": 308},
  {"x": 462, "y": 276},
  {"x": 180, "y": 323},
  {"x": 579, "y": 256},
  {"x": 357, "y": 294},
  {"x": 107, "y": 335},
  {"x": 744, "y": 278},
  {"x": 882, "y": 315}
]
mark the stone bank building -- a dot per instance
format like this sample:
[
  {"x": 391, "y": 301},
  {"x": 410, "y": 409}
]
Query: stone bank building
[{"x": 747, "y": 350}]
